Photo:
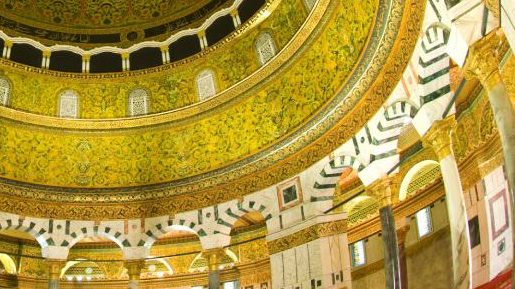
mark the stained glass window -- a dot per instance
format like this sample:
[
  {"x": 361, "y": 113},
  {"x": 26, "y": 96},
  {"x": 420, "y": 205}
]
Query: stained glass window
[
  {"x": 69, "y": 104},
  {"x": 138, "y": 102},
  {"x": 265, "y": 47},
  {"x": 5, "y": 91},
  {"x": 206, "y": 86}
]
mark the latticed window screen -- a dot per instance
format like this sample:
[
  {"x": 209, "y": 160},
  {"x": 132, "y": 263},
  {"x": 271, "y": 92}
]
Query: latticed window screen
[
  {"x": 357, "y": 251},
  {"x": 265, "y": 47},
  {"x": 5, "y": 91},
  {"x": 69, "y": 104},
  {"x": 138, "y": 102},
  {"x": 424, "y": 223},
  {"x": 206, "y": 85}
]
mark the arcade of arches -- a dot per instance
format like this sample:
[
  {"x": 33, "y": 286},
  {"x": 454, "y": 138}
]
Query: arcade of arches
[{"x": 255, "y": 144}]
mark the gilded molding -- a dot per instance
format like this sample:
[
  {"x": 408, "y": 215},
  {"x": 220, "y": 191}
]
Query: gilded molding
[{"x": 307, "y": 235}]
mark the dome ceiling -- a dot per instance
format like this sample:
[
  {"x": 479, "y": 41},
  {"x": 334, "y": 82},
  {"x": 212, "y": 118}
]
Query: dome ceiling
[
  {"x": 102, "y": 21},
  {"x": 264, "y": 125}
]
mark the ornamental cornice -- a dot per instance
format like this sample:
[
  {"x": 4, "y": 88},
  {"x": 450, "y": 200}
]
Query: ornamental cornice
[
  {"x": 50, "y": 34},
  {"x": 370, "y": 84},
  {"x": 307, "y": 235}
]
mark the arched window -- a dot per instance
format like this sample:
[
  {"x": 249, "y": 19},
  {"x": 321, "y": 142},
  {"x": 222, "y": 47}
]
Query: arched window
[
  {"x": 69, "y": 104},
  {"x": 206, "y": 85},
  {"x": 5, "y": 91},
  {"x": 265, "y": 47},
  {"x": 138, "y": 102}
]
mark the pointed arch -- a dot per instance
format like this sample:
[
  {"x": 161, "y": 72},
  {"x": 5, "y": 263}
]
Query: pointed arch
[
  {"x": 8, "y": 263},
  {"x": 163, "y": 228},
  {"x": 411, "y": 175},
  {"x": 30, "y": 227},
  {"x": 326, "y": 180},
  {"x": 239, "y": 209},
  {"x": 96, "y": 231}
]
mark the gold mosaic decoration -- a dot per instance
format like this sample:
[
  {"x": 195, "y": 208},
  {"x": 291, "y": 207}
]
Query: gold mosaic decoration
[
  {"x": 91, "y": 15},
  {"x": 171, "y": 153},
  {"x": 377, "y": 83},
  {"x": 173, "y": 88}
]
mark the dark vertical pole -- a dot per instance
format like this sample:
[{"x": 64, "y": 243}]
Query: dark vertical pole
[{"x": 391, "y": 249}]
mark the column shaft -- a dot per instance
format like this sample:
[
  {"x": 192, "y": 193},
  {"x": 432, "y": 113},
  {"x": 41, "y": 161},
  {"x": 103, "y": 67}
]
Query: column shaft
[
  {"x": 214, "y": 279},
  {"x": 483, "y": 62},
  {"x": 458, "y": 223},
  {"x": 54, "y": 272},
  {"x": 391, "y": 249},
  {"x": 402, "y": 231},
  {"x": 382, "y": 191},
  {"x": 214, "y": 258},
  {"x": 438, "y": 137},
  {"x": 134, "y": 268}
]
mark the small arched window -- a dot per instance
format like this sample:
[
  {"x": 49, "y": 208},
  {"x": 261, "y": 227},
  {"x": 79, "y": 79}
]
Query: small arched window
[
  {"x": 138, "y": 102},
  {"x": 69, "y": 104},
  {"x": 5, "y": 91},
  {"x": 206, "y": 85},
  {"x": 265, "y": 47}
]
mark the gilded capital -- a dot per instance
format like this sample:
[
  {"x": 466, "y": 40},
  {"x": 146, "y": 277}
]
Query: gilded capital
[
  {"x": 54, "y": 268},
  {"x": 381, "y": 190},
  {"x": 484, "y": 57},
  {"x": 134, "y": 268},
  {"x": 402, "y": 230},
  {"x": 439, "y": 137},
  {"x": 214, "y": 258}
]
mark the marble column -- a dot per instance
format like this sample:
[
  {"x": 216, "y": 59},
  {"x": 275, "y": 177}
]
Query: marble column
[
  {"x": 483, "y": 62},
  {"x": 311, "y": 254},
  {"x": 214, "y": 259},
  {"x": 402, "y": 230},
  {"x": 54, "y": 268},
  {"x": 381, "y": 190},
  {"x": 439, "y": 139},
  {"x": 134, "y": 268}
]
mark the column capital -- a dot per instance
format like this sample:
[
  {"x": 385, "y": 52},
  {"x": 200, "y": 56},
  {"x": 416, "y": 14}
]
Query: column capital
[
  {"x": 439, "y": 137},
  {"x": 125, "y": 55},
  {"x": 214, "y": 258},
  {"x": 201, "y": 33},
  {"x": 54, "y": 268},
  {"x": 134, "y": 268},
  {"x": 381, "y": 190},
  {"x": 484, "y": 57},
  {"x": 403, "y": 227},
  {"x": 234, "y": 13},
  {"x": 86, "y": 57}
]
